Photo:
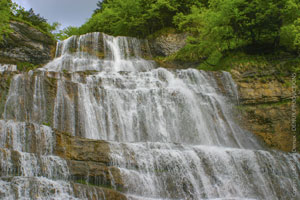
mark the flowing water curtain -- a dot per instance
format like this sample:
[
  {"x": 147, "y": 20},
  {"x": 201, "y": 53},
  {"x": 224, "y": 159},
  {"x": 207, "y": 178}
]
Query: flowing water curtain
[
  {"x": 137, "y": 105},
  {"x": 172, "y": 133}
]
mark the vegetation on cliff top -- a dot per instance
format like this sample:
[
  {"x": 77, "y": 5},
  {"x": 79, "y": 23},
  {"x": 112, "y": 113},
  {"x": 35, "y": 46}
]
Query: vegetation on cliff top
[
  {"x": 217, "y": 28},
  {"x": 12, "y": 11}
]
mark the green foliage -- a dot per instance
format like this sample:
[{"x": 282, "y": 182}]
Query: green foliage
[
  {"x": 138, "y": 18},
  {"x": 118, "y": 17},
  {"x": 99, "y": 6},
  {"x": 216, "y": 27},
  {"x": 46, "y": 124},
  {"x": 30, "y": 16},
  {"x": 12, "y": 11},
  {"x": 67, "y": 32},
  {"x": 34, "y": 19},
  {"x": 25, "y": 66},
  {"x": 295, "y": 34},
  {"x": 4, "y": 18},
  {"x": 259, "y": 26}
]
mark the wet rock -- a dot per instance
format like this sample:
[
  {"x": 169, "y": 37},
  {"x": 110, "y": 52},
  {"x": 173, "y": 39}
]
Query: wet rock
[
  {"x": 26, "y": 137},
  {"x": 81, "y": 149},
  {"x": 93, "y": 193},
  {"x": 88, "y": 161},
  {"x": 5, "y": 79},
  {"x": 95, "y": 173},
  {"x": 34, "y": 90}
]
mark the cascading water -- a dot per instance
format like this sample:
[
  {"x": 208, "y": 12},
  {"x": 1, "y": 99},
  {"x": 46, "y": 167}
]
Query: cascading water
[
  {"x": 172, "y": 133},
  {"x": 8, "y": 68},
  {"x": 27, "y": 167}
]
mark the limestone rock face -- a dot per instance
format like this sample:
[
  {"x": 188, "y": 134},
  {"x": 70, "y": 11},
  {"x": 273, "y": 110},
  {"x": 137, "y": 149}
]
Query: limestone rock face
[
  {"x": 26, "y": 44},
  {"x": 266, "y": 107},
  {"x": 82, "y": 149},
  {"x": 257, "y": 92},
  {"x": 88, "y": 160},
  {"x": 166, "y": 45},
  {"x": 272, "y": 123}
]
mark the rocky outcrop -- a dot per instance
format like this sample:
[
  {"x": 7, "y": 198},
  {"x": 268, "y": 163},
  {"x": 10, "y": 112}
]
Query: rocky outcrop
[
  {"x": 262, "y": 89},
  {"x": 26, "y": 44},
  {"x": 265, "y": 104},
  {"x": 89, "y": 161},
  {"x": 167, "y": 44},
  {"x": 271, "y": 122}
]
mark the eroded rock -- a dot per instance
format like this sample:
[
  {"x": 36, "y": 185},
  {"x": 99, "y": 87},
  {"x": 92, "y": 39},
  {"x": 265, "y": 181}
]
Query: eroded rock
[
  {"x": 167, "y": 44},
  {"x": 26, "y": 44},
  {"x": 265, "y": 105}
]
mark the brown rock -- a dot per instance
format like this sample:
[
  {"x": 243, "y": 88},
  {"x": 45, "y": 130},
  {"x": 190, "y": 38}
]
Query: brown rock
[
  {"x": 81, "y": 149},
  {"x": 82, "y": 191}
]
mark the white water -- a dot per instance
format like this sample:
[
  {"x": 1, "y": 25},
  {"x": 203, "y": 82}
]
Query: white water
[
  {"x": 23, "y": 137},
  {"x": 158, "y": 106},
  {"x": 35, "y": 188},
  {"x": 7, "y": 67},
  {"x": 81, "y": 53},
  {"x": 129, "y": 103},
  {"x": 193, "y": 172},
  {"x": 173, "y": 133}
]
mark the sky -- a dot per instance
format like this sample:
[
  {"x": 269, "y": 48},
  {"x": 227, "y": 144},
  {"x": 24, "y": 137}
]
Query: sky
[{"x": 66, "y": 12}]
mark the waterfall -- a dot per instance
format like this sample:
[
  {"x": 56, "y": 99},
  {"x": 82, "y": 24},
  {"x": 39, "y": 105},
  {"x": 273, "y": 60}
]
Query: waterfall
[
  {"x": 172, "y": 134},
  {"x": 27, "y": 167},
  {"x": 7, "y": 67},
  {"x": 82, "y": 53}
]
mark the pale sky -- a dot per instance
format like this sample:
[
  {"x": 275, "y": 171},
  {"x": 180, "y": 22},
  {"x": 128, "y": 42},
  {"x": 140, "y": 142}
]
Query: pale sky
[{"x": 66, "y": 12}]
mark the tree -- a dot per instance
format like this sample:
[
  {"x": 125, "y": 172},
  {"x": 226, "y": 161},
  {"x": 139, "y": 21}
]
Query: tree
[
  {"x": 67, "y": 32},
  {"x": 118, "y": 17},
  {"x": 252, "y": 25},
  {"x": 138, "y": 18},
  {"x": 99, "y": 6}
]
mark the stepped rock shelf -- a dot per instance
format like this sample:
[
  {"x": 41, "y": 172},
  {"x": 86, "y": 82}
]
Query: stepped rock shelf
[{"x": 102, "y": 122}]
